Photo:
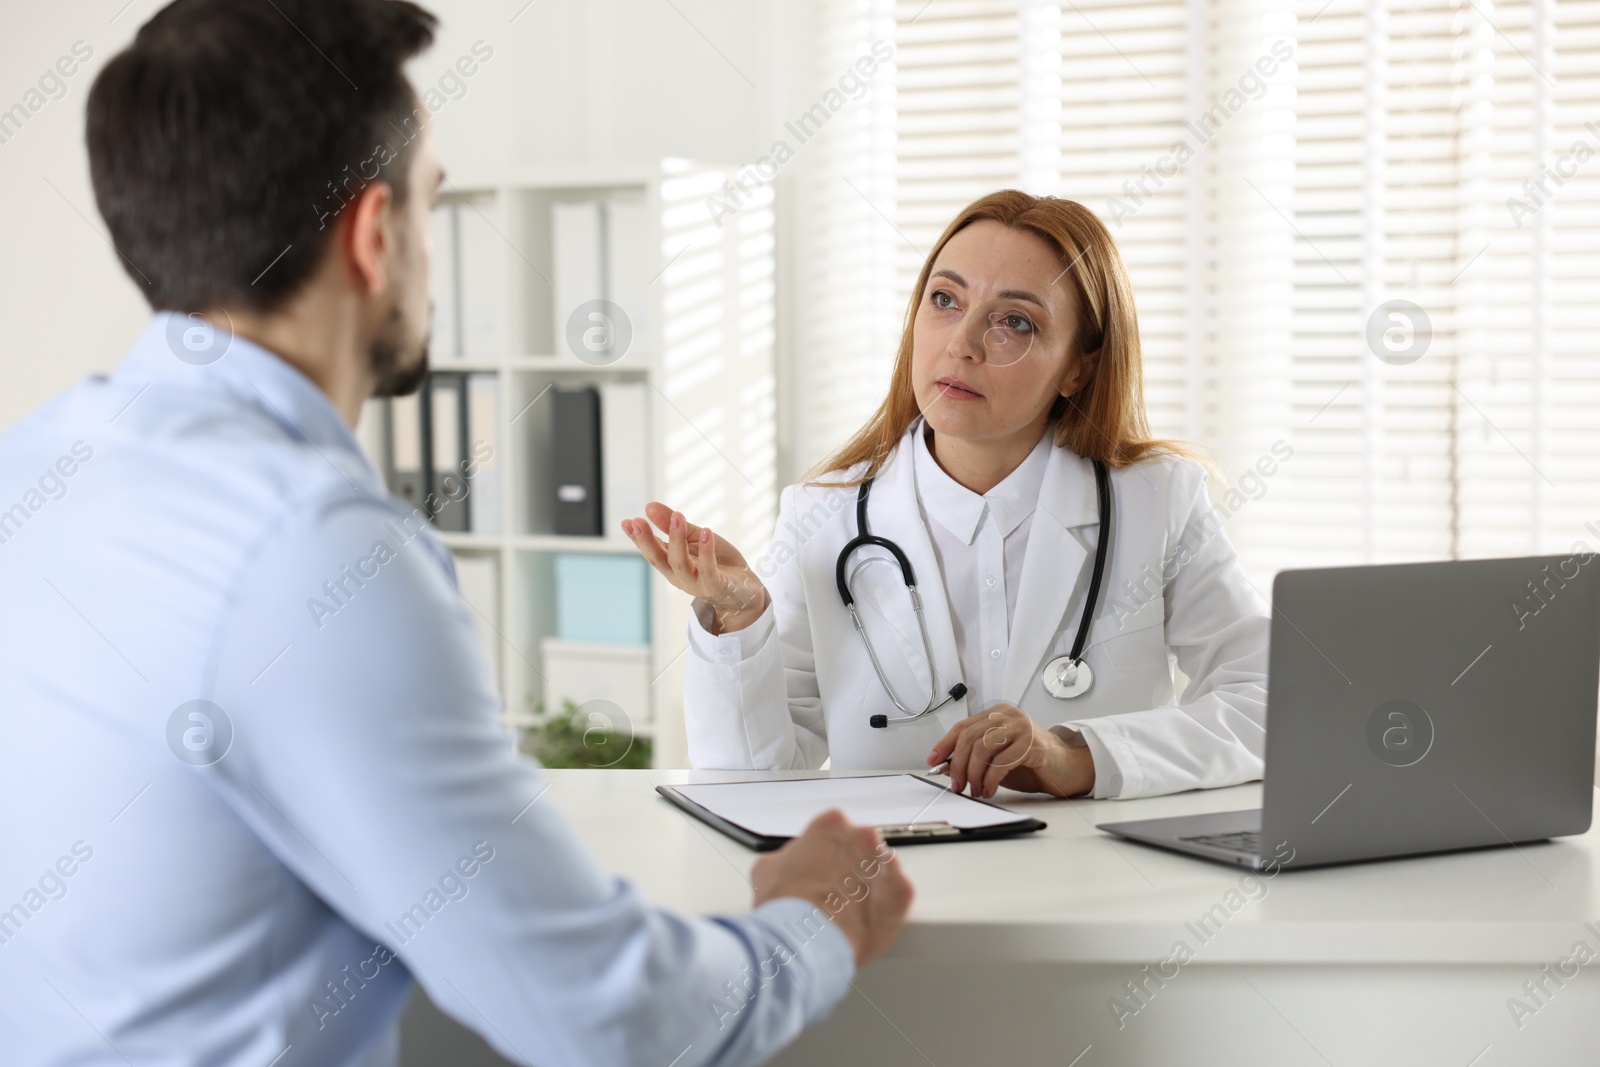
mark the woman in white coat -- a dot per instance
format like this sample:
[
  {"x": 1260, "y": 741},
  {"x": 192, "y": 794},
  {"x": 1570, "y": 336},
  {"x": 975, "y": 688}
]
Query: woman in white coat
[{"x": 1017, "y": 372}]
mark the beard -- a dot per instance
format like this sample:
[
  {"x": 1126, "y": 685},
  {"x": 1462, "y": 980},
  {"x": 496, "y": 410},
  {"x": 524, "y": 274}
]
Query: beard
[{"x": 398, "y": 365}]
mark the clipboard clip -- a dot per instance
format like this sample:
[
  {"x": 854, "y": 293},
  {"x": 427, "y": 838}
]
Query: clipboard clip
[{"x": 919, "y": 829}]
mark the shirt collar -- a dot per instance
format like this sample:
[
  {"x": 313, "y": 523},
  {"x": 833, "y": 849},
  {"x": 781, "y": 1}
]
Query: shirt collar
[
  {"x": 174, "y": 349},
  {"x": 960, "y": 510}
]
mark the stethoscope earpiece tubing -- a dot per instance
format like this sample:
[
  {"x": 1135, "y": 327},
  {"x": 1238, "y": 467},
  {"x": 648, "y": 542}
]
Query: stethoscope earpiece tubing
[
  {"x": 1102, "y": 484},
  {"x": 863, "y": 539}
]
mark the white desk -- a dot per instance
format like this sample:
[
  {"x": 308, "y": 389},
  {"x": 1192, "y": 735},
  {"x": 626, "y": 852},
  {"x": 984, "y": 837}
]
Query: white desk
[{"x": 1015, "y": 948}]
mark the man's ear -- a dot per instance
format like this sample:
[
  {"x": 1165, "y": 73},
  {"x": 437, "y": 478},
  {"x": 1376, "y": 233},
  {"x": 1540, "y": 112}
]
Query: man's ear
[
  {"x": 366, "y": 237},
  {"x": 1083, "y": 369}
]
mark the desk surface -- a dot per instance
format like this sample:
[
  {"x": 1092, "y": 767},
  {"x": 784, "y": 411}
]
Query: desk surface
[{"x": 1073, "y": 894}]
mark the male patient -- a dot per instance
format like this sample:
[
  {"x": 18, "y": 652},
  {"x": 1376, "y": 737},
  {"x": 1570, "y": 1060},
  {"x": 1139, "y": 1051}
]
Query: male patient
[{"x": 234, "y": 829}]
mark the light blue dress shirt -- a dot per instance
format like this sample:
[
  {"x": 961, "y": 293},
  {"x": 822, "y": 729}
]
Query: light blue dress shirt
[{"x": 234, "y": 825}]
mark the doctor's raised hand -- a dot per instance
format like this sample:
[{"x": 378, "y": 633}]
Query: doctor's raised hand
[{"x": 697, "y": 561}]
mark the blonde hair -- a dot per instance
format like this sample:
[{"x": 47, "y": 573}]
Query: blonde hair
[{"x": 1105, "y": 419}]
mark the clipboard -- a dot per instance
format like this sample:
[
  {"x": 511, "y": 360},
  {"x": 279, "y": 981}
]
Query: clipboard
[{"x": 765, "y": 814}]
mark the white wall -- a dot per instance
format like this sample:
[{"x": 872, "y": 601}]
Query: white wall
[
  {"x": 65, "y": 306},
  {"x": 569, "y": 82}
]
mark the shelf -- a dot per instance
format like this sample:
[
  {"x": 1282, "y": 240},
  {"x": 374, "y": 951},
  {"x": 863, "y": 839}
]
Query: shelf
[
  {"x": 632, "y": 364},
  {"x": 565, "y": 543},
  {"x": 455, "y": 363},
  {"x": 472, "y": 542},
  {"x": 702, "y": 335}
]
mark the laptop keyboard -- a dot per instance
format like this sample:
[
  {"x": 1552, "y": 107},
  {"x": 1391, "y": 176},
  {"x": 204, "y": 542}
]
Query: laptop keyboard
[{"x": 1245, "y": 841}]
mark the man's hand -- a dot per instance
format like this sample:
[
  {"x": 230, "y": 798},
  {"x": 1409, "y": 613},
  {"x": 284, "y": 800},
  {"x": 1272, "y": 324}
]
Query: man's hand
[
  {"x": 1002, "y": 746},
  {"x": 849, "y": 872}
]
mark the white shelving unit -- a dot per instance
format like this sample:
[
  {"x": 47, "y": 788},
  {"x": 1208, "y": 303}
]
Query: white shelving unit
[{"x": 702, "y": 343}]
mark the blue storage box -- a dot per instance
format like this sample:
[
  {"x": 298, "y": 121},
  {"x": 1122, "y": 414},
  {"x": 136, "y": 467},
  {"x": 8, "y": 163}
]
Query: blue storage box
[{"x": 603, "y": 598}]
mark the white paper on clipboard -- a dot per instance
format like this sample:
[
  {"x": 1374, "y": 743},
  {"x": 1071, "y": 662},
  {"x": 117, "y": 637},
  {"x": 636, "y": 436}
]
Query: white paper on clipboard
[{"x": 783, "y": 807}]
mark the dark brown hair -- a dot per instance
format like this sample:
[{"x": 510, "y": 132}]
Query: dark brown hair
[{"x": 224, "y": 140}]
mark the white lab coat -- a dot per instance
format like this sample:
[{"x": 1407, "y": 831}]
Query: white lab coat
[{"x": 799, "y": 688}]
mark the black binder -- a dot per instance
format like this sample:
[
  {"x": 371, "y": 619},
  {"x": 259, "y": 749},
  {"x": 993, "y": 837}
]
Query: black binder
[
  {"x": 403, "y": 444},
  {"x": 445, "y": 404},
  {"x": 575, "y": 460}
]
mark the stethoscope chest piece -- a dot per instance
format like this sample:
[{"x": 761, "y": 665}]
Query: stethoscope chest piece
[{"x": 1065, "y": 677}]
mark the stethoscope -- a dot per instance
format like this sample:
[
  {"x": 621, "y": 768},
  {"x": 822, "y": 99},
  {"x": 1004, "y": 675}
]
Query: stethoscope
[{"x": 1065, "y": 677}]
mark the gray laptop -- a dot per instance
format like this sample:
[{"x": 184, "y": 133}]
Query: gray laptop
[{"x": 1417, "y": 707}]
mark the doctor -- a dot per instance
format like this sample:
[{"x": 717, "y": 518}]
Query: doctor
[{"x": 1063, "y": 559}]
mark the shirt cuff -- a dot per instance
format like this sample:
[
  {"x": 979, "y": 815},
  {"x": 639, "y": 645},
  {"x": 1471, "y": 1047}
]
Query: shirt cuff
[
  {"x": 727, "y": 648},
  {"x": 802, "y": 936},
  {"x": 1107, "y": 775}
]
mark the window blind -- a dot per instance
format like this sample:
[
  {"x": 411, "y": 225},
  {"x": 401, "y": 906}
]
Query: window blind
[
  {"x": 1366, "y": 230},
  {"x": 1418, "y": 128},
  {"x": 845, "y": 314}
]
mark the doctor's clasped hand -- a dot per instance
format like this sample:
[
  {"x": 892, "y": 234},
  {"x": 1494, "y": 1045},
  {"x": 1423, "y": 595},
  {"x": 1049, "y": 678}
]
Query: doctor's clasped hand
[{"x": 1002, "y": 746}]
